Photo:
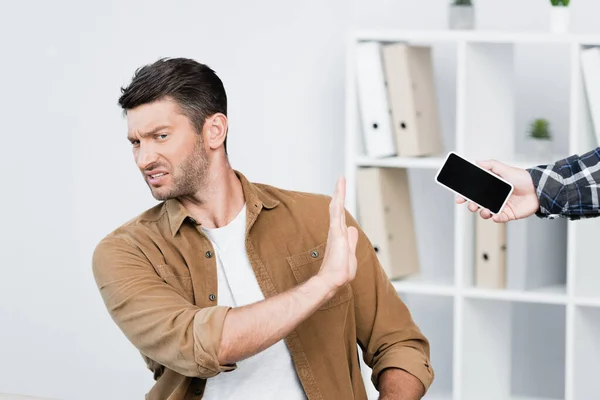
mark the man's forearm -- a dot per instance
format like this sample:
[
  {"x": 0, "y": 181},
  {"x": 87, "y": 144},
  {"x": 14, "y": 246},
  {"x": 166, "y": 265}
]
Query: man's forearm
[
  {"x": 397, "y": 384},
  {"x": 251, "y": 329}
]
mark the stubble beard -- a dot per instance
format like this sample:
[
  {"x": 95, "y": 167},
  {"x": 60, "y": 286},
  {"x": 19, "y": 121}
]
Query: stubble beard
[{"x": 188, "y": 177}]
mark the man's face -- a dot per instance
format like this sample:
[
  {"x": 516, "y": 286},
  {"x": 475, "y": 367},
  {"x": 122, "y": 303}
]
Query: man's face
[{"x": 167, "y": 149}]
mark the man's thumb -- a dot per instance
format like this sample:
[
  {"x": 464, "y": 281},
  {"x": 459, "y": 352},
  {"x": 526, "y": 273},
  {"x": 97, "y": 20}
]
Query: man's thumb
[{"x": 493, "y": 166}]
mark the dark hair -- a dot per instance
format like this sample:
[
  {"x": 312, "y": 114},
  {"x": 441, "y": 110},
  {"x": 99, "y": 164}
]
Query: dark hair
[{"x": 195, "y": 87}]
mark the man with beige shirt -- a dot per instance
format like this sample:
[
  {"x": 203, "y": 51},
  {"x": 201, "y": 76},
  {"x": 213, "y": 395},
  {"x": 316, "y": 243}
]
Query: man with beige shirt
[{"x": 233, "y": 289}]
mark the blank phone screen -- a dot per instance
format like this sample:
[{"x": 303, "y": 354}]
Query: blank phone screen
[{"x": 473, "y": 183}]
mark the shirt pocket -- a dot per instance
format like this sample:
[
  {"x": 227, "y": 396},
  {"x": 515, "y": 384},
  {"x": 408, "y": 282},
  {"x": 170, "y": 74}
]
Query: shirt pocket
[
  {"x": 307, "y": 264},
  {"x": 181, "y": 281}
]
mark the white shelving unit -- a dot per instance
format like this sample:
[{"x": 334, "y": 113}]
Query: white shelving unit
[{"x": 515, "y": 343}]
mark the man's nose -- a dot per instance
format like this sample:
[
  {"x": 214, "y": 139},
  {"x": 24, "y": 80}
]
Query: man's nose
[{"x": 145, "y": 157}]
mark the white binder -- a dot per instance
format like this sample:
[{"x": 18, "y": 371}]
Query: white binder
[
  {"x": 373, "y": 103},
  {"x": 590, "y": 65}
]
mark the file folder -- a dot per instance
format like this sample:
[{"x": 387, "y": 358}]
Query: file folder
[
  {"x": 490, "y": 262},
  {"x": 385, "y": 215},
  {"x": 412, "y": 97}
]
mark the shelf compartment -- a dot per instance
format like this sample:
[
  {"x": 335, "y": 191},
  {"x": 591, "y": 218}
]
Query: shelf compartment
[
  {"x": 433, "y": 208},
  {"x": 535, "y": 262},
  {"x": 513, "y": 350},
  {"x": 586, "y": 353},
  {"x": 502, "y": 96},
  {"x": 587, "y": 272}
]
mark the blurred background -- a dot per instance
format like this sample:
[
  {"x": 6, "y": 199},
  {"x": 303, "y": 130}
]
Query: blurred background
[{"x": 70, "y": 177}]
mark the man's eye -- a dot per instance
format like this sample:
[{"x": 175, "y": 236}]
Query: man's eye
[
  {"x": 162, "y": 136},
  {"x": 135, "y": 143}
]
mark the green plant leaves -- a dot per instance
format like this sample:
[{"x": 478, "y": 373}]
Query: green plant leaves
[{"x": 539, "y": 129}]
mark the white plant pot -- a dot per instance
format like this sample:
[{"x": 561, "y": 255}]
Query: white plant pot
[
  {"x": 541, "y": 150},
  {"x": 560, "y": 17},
  {"x": 461, "y": 17}
]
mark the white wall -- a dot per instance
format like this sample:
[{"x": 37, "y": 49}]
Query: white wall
[{"x": 68, "y": 174}]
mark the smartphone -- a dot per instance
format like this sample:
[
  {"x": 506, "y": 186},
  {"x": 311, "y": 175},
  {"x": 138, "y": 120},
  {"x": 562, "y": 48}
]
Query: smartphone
[{"x": 474, "y": 183}]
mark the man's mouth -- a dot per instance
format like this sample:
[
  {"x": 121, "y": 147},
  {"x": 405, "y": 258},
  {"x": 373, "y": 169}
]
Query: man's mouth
[{"x": 156, "y": 179}]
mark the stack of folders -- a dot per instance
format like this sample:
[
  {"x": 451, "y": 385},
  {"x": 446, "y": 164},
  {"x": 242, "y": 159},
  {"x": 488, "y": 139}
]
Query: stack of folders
[
  {"x": 399, "y": 117},
  {"x": 397, "y": 100}
]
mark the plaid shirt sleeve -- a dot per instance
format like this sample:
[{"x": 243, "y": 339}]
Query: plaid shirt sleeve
[{"x": 569, "y": 187}]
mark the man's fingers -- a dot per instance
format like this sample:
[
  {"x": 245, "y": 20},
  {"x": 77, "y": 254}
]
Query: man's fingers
[
  {"x": 333, "y": 205},
  {"x": 485, "y": 214},
  {"x": 500, "y": 218},
  {"x": 341, "y": 202},
  {"x": 352, "y": 239},
  {"x": 335, "y": 214},
  {"x": 494, "y": 166},
  {"x": 460, "y": 199},
  {"x": 473, "y": 207},
  {"x": 486, "y": 164}
]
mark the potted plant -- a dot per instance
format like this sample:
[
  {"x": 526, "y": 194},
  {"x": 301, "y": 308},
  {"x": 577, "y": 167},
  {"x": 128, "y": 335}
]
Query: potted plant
[
  {"x": 541, "y": 138},
  {"x": 461, "y": 15},
  {"x": 559, "y": 16}
]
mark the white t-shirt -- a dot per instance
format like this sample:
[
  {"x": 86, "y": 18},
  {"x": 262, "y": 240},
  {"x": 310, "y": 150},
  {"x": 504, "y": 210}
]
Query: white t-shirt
[{"x": 266, "y": 375}]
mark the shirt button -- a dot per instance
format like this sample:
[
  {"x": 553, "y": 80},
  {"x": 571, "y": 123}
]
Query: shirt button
[
  {"x": 212, "y": 297},
  {"x": 314, "y": 254},
  {"x": 198, "y": 392},
  {"x": 208, "y": 254}
]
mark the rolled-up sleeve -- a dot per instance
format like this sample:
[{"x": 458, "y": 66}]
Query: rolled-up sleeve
[
  {"x": 208, "y": 326},
  {"x": 569, "y": 187},
  {"x": 154, "y": 317},
  {"x": 386, "y": 331}
]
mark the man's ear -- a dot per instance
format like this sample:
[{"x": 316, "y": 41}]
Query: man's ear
[{"x": 216, "y": 130}]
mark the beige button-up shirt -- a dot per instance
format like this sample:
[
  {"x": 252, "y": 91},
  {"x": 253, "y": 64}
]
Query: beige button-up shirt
[{"x": 157, "y": 276}]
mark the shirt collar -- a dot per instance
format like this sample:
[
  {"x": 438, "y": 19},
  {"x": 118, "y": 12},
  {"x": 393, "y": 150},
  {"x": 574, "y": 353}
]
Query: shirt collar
[{"x": 255, "y": 197}]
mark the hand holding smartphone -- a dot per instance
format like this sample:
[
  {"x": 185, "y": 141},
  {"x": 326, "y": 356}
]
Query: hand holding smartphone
[{"x": 474, "y": 183}]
